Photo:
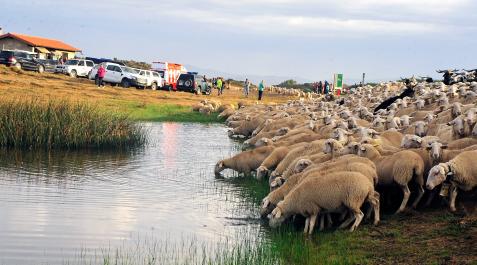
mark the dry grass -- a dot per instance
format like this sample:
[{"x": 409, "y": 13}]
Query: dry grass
[{"x": 26, "y": 85}]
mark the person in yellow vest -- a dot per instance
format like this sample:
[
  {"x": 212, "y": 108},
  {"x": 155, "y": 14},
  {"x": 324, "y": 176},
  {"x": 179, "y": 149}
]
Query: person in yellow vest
[{"x": 220, "y": 86}]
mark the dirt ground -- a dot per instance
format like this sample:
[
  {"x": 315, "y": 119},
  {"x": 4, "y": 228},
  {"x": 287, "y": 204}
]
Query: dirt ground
[{"x": 24, "y": 84}]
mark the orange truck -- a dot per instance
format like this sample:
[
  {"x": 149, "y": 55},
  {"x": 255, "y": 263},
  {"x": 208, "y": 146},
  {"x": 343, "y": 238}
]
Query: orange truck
[{"x": 170, "y": 72}]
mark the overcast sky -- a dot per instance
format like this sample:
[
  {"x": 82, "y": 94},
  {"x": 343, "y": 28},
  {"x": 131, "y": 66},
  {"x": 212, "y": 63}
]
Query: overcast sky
[{"x": 311, "y": 39}]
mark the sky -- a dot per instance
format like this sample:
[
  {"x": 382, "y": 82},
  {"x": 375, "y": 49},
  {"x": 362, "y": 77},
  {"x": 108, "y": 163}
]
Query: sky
[{"x": 309, "y": 40}]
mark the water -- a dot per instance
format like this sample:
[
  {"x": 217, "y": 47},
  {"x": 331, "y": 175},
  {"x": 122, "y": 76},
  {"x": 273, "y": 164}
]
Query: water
[{"x": 54, "y": 206}]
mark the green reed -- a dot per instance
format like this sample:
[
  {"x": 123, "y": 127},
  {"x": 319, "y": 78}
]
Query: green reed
[{"x": 33, "y": 124}]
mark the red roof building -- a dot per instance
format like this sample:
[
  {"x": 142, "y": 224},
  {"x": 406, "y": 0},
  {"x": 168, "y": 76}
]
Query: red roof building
[{"x": 45, "y": 48}]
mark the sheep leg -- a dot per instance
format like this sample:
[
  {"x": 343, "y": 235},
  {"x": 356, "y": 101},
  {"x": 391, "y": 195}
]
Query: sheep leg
[
  {"x": 322, "y": 223},
  {"x": 307, "y": 223},
  {"x": 420, "y": 191},
  {"x": 358, "y": 218},
  {"x": 330, "y": 221},
  {"x": 374, "y": 201},
  {"x": 453, "y": 195},
  {"x": 405, "y": 199},
  {"x": 312, "y": 223},
  {"x": 432, "y": 194},
  {"x": 343, "y": 215},
  {"x": 347, "y": 222}
]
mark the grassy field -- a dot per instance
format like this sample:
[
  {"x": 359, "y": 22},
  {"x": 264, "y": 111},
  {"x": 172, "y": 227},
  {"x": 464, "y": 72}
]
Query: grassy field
[{"x": 140, "y": 104}]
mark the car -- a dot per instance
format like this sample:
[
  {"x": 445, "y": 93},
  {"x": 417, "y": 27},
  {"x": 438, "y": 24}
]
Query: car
[
  {"x": 193, "y": 82},
  {"x": 26, "y": 61},
  {"x": 120, "y": 75},
  {"x": 153, "y": 79},
  {"x": 75, "y": 67}
]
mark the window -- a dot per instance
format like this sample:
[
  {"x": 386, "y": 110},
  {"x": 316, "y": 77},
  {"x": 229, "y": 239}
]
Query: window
[
  {"x": 72, "y": 62},
  {"x": 111, "y": 67},
  {"x": 81, "y": 63},
  {"x": 90, "y": 64},
  {"x": 117, "y": 69},
  {"x": 142, "y": 73},
  {"x": 148, "y": 74},
  {"x": 155, "y": 74}
]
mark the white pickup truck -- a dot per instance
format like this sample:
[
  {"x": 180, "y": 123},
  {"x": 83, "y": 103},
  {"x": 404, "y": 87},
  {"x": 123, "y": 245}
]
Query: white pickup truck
[
  {"x": 75, "y": 67},
  {"x": 118, "y": 74},
  {"x": 153, "y": 79}
]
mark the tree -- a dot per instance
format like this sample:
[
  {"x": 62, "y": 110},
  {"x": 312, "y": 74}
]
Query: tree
[{"x": 288, "y": 83}]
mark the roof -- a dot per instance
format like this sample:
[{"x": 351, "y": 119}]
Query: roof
[{"x": 41, "y": 42}]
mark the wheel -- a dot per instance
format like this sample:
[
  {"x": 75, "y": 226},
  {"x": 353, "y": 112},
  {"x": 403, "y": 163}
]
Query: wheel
[
  {"x": 188, "y": 83},
  {"x": 41, "y": 69},
  {"x": 73, "y": 73},
  {"x": 154, "y": 86},
  {"x": 125, "y": 83},
  {"x": 18, "y": 66}
]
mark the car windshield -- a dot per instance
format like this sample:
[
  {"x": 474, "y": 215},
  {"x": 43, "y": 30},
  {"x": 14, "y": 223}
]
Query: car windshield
[
  {"x": 130, "y": 70},
  {"x": 72, "y": 62}
]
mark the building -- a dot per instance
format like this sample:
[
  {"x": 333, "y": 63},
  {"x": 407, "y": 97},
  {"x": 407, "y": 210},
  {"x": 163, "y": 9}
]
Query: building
[{"x": 45, "y": 48}]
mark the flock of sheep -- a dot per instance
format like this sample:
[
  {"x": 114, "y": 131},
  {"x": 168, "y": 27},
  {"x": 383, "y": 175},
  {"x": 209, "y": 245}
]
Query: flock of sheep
[{"x": 328, "y": 160}]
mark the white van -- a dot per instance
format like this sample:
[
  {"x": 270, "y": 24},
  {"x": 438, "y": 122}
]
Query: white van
[
  {"x": 153, "y": 79},
  {"x": 75, "y": 67}
]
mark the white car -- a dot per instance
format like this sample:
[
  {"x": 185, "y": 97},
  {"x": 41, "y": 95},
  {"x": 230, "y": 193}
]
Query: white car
[
  {"x": 75, "y": 67},
  {"x": 153, "y": 79},
  {"x": 118, "y": 74}
]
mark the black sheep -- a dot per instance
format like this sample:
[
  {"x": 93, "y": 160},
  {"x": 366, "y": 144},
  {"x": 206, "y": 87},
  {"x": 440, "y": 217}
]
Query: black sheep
[{"x": 408, "y": 92}]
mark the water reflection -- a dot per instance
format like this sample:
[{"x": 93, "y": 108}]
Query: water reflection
[{"x": 53, "y": 204}]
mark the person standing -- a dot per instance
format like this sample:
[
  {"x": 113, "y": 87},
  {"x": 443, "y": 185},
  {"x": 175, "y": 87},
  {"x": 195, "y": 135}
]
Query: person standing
[
  {"x": 101, "y": 73},
  {"x": 261, "y": 87},
  {"x": 246, "y": 87},
  {"x": 220, "y": 86},
  {"x": 326, "y": 88},
  {"x": 320, "y": 88}
]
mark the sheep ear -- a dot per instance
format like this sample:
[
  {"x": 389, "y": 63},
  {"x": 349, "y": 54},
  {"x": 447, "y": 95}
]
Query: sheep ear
[
  {"x": 221, "y": 163},
  {"x": 266, "y": 202},
  {"x": 278, "y": 213},
  {"x": 428, "y": 147}
]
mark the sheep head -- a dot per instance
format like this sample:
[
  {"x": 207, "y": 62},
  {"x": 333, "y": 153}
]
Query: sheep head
[
  {"x": 368, "y": 151},
  {"x": 277, "y": 216},
  {"x": 411, "y": 141},
  {"x": 219, "y": 167},
  {"x": 302, "y": 164},
  {"x": 437, "y": 175},
  {"x": 420, "y": 128},
  {"x": 262, "y": 172},
  {"x": 435, "y": 150},
  {"x": 458, "y": 126},
  {"x": 266, "y": 207}
]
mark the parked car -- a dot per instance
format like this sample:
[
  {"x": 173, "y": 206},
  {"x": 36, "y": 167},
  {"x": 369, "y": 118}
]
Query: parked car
[
  {"x": 75, "y": 67},
  {"x": 27, "y": 61},
  {"x": 192, "y": 82},
  {"x": 117, "y": 74},
  {"x": 154, "y": 79}
]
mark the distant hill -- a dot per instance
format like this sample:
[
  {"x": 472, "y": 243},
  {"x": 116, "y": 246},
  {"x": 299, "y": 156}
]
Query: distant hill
[{"x": 269, "y": 79}]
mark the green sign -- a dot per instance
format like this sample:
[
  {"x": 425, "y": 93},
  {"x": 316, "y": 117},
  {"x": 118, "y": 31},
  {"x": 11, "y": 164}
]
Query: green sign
[{"x": 339, "y": 81}]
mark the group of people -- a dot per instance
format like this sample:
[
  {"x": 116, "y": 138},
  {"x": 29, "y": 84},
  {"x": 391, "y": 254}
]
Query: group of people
[
  {"x": 323, "y": 87},
  {"x": 246, "y": 89}
]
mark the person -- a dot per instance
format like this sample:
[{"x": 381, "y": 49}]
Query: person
[
  {"x": 320, "y": 88},
  {"x": 246, "y": 87},
  {"x": 220, "y": 86},
  {"x": 101, "y": 73},
  {"x": 326, "y": 88},
  {"x": 260, "y": 90}
]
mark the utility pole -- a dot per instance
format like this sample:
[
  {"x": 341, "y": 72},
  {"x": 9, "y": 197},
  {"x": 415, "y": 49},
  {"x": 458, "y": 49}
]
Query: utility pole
[{"x": 364, "y": 74}]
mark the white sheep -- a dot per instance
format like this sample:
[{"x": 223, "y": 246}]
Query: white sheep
[
  {"x": 461, "y": 172},
  {"x": 399, "y": 168},
  {"x": 329, "y": 192}
]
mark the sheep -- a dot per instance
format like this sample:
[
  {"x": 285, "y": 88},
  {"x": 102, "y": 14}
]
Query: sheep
[
  {"x": 439, "y": 154},
  {"x": 274, "y": 159},
  {"x": 461, "y": 143},
  {"x": 226, "y": 113},
  {"x": 461, "y": 172},
  {"x": 329, "y": 192},
  {"x": 247, "y": 127},
  {"x": 414, "y": 141},
  {"x": 401, "y": 168},
  {"x": 348, "y": 163},
  {"x": 244, "y": 162},
  {"x": 310, "y": 148}
]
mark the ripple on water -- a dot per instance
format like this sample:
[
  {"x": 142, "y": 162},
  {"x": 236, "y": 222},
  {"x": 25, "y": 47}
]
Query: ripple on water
[{"x": 54, "y": 204}]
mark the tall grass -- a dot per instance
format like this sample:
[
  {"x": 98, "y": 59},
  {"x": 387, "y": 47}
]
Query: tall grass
[{"x": 62, "y": 124}]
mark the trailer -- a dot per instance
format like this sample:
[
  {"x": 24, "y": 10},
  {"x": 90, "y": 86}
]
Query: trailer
[{"x": 170, "y": 72}]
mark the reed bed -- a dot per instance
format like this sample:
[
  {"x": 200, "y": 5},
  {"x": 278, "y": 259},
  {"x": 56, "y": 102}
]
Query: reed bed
[{"x": 34, "y": 124}]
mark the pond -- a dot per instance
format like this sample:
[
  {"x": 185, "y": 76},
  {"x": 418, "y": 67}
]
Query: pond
[{"x": 73, "y": 207}]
